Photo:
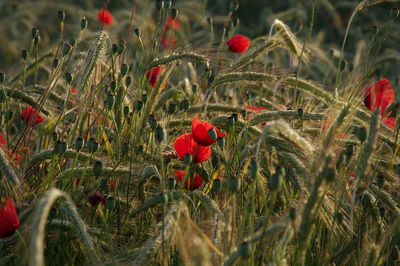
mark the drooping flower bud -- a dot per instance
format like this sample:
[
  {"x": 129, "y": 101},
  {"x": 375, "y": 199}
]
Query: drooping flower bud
[
  {"x": 98, "y": 168},
  {"x": 79, "y": 143},
  {"x": 61, "y": 15},
  {"x": 83, "y": 23}
]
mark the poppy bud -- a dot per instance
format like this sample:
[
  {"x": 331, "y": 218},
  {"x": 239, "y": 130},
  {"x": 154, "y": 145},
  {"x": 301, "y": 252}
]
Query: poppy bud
[
  {"x": 137, "y": 32},
  {"x": 235, "y": 117},
  {"x": 128, "y": 81},
  {"x": 159, "y": 134},
  {"x": 54, "y": 136},
  {"x": 61, "y": 15},
  {"x": 361, "y": 134},
  {"x": 167, "y": 4},
  {"x": 37, "y": 39},
  {"x": 24, "y": 54},
  {"x": 275, "y": 182},
  {"x": 126, "y": 110},
  {"x": 95, "y": 199},
  {"x": 57, "y": 147},
  {"x": 68, "y": 77},
  {"x": 110, "y": 203},
  {"x": 174, "y": 13},
  {"x": 121, "y": 47},
  {"x": 213, "y": 134},
  {"x": 9, "y": 115},
  {"x": 233, "y": 184},
  {"x": 187, "y": 158},
  {"x": 110, "y": 101},
  {"x": 210, "y": 21},
  {"x": 300, "y": 113},
  {"x": 394, "y": 13},
  {"x": 244, "y": 114},
  {"x": 230, "y": 121},
  {"x": 234, "y": 6},
  {"x": 83, "y": 23},
  {"x": 140, "y": 148},
  {"x": 171, "y": 183},
  {"x": 66, "y": 48},
  {"x": 55, "y": 62},
  {"x": 164, "y": 197},
  {"x": 184, "y": 104},
  {"x": 138, "y": 106},
  {"x": 221, "y": 142},
  {"x": 63, "y": 147},
  {"x": 159, "y": 4},
  {"x": 245, "y": 250},
  {"x": 78, "y": 143},
  {"x": 216, "y": 185},
  {"x": 292, "y": 214},
  {"x": 92, "y": 145},
  {"x": 351, "y": 67},
  {"x": 125, "y": 148},
  {"x": 114, "y": 48},
  {"x": 144, "y": 98},
  {"x": 113, "y": 86},
  {"x": 194, "y": 88},
  {"x": 97, "y": 168},
  {"x": 2, "y": 77},
  {"x": 171, "y": 108},
  {"x": 72, "y": 41},
  {"x": 380, "y": 181},
  {"x": 329, "y": 174},
  {"x": 253, "y": 168},
  {"x": 152, "y": 122},
  {"x": 35, "y": 32},
  {"x": 343, "y": 65},
  {"x": 374, "y": 30},
  {"x": 124, "y": 69}
]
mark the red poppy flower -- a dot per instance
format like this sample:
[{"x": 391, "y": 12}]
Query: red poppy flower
[
  {"x": 166, "y": 41},
  {"x": 185, "y": 144},
  {"x": 168, "y": 24},
  {"x": 238, "y": 44},
  {"x": 200, "y": 132},
  {"x": 15, "y": 158},
  {"x": 29, "y": 113},
  {"x": 2, "y": 140},
  {"x": 74, "y": 90},
  {"x": 112, "y": 184},
  {"x": 257, "y": 109},
  {"x": 194, "y": 184},
  {"x": 153, "y": 74},
  {"x": 106, "y": 15},
  {"x": 8, "y": 219},
  {"x": 380, "y": 94},
  {"x": 97, "y": 198}
]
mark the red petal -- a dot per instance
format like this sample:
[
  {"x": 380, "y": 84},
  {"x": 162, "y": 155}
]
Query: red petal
[
  {"x": 238, "y": 44},
  {"x": 168, "y": 24},
  {"x": 108, "y": 18},
  {"x": 185, "y": 144},
  {"x": 380, "y": 94},
  {"x": 200, "y": 132},
  {"x": 8, "y": 219},
  {"x": 195, "y": 184},
  {"x": 166, "y": 41},
  {"x": 153, "y": 74}
]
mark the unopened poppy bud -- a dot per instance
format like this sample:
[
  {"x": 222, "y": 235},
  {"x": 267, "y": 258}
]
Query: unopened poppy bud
[
  {"x": 275, "y": 182},
  {"x": 167, "y": 4},
  {"x": 61, "y": 15},
  {"x": 245, "y": 250},
  {"x": 351, "y": 67},
  {"x": 300, "y": 113},
  {"x": 97, "y": 168},
  {"x": 164, "y": 198},
  {"x": 174, "y": 13},
  {"x": 234, "y": 6},
  {"x": 137, "y": 32},
  {"x": 114, "y": 48},
  {"x": 244, "y": 114},
  {"x": 110, "y": 203},
  {"x": 216, "y": 185},
  {"x": 380, "y": 180},
  {"x": 110, "y": 101},
  {"x": 329, "y": 174},
  {"x": 35, "y": 32},
  {"x": 184, "y": 104},
  {"x": 79, "y": 143},
  {"x": 72, "y": 41},
  {"x": 292, "y": 214},
  {"x": 171, "y": 108},
  {"x": 66, "y": 48},
  {"x": 37, "y": 39},
  {"x": 221, "y": 142},
  {"x": 159, "y": 134},
  {"x": 210, "y": 21},
  {"x": 125, "y": 148},
  {"x": 152, "y": 122},
  {"x": 394, "y": 13},
  {"x": 253, "y": 168},
  {"x": 171, "y": 183},
  {"x": 83, "y": 23},
  {"x": 230, "y": 121},
  {"x": 208, "y": 72},
  {"x": 24, "y": 54},
  {"x": 55, "y": 62},
  {"x": 213, "y": 134},
  {"x": 144, "y": 98},
  {"x": 362, "y": 134},
  {"x": 126, "y": 110},
  {"x": 128, "y": 81},
  {"x": 124, "y": 69},
  {"x": 92, "y": 145},
  {"x": 57, "y": 147},
  {"x": 95, "y": 199},
  {"x": 140, "y": 148},
  {"x": 2, "y": 77},
  {"x": 121, "y": 47},
  {"x": 68, "y": 77},
  {"x": 194, "y": 88},
  {"x": 374, "y": 30},
  {"x": 159, "y": 4},
  {"x": 138, "y": 106},
  {"x": 187, "y": 158},
  {"x": 233, "y": 184},
  {"x": 235, "y": 117},
  {"x": 343, "y": 65},
  {"x": 54, "y": 136},
  {"x": 113, "y": 86}
]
